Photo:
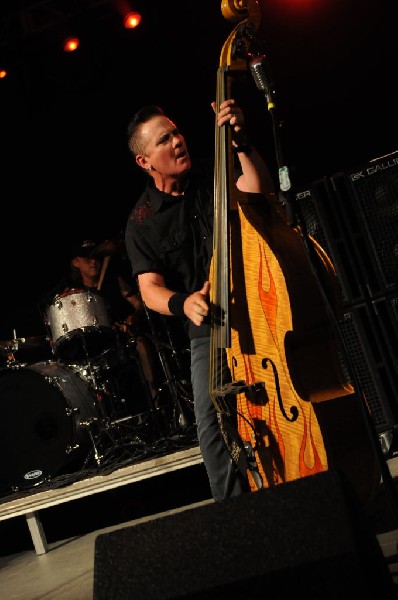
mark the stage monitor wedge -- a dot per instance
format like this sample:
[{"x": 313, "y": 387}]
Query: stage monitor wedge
[{"x": 305, "y": 537}]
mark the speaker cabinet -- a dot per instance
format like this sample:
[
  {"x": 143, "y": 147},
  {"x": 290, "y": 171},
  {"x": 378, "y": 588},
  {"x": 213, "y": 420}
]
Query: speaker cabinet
[
  {"x": 368, "y": 200},
  {"x": 372, "y": 362},
  {"x": 354, "y": 216},
  {"x": 303, "y": 537}
]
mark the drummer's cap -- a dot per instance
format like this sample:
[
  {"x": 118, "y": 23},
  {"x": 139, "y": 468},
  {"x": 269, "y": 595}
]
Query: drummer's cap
[{"x": 84, "y": 248}]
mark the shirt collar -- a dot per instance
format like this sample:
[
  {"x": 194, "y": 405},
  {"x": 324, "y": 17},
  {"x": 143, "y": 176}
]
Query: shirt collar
[{"x": 159, "y": 198}]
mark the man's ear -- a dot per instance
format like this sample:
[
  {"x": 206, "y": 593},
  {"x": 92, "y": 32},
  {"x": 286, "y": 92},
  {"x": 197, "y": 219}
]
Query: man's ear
[
  {"x": 142, "y": 162},
  {"x": 75, "y": 262}
]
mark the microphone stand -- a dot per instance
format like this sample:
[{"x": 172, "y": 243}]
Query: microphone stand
[{"x": 260, "y": 70}]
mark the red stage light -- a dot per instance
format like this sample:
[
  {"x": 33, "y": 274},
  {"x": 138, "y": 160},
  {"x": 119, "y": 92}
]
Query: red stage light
[
  {"x": 71, "y": 44},
  {"x": 132, "y": 20}
]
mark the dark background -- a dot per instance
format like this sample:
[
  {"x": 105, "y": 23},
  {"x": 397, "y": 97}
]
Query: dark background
[{"x": 65, "y": 168}]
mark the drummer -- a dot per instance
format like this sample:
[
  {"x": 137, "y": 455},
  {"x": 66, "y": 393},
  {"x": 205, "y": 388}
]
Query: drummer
[
  {"x": 87, "y": 273},
  {"x": 92, "y": 268}
]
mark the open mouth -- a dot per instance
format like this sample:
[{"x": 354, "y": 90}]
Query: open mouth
[{"x": 181, "y": 157}]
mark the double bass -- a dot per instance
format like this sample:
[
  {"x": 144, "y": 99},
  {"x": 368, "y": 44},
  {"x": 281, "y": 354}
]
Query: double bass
[{"x": 270, "y": 317}]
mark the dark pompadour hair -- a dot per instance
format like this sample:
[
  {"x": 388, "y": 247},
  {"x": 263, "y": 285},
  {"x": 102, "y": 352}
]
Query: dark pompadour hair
[{"x": 133, "y": 129}]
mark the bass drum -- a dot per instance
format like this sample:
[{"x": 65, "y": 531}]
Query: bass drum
[{"x": 46, "y": 410}]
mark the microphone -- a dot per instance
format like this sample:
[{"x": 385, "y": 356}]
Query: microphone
[{"x": 259, "y": 68}]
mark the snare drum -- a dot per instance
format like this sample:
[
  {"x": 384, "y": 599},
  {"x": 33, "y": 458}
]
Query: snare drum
[{"x": 80, "y": 325}]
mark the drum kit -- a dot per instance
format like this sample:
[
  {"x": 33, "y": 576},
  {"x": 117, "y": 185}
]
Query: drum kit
[{"x": 86, "y": 402}]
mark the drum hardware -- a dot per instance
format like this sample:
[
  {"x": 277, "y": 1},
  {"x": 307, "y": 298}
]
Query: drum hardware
[
  {"x": 25, "y": 349},
  {"x": 132, "y": 421},
  {"x": 12, "y": 362},
  {"x": 132, "y": 431},
  {"x": 182, "y": 418},
  {"x": 121, "y": 420},
  {"x": 148, "y": 416},
  {"x": 70, "y": 449},
  {"x": 91, "y": 373},
  {"x": 97, "y": 456},
  {"x": 123, "y": 363},
  {"x": 130, "y": 415},
  {"x": 107, "y": 401},
  {"x": 95, "y": 375},
  {"x": 9, "y": 346},
  {"x": 70, "y": 411}
]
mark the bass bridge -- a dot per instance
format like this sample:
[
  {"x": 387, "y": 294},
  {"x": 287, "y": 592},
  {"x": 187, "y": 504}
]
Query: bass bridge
[{"x": 238, "y": 387}]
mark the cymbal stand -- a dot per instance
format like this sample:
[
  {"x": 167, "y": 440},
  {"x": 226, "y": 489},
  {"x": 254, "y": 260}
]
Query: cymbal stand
[
  {"x": 181, "y": 418},
  {"x": 11, "y": 349},
  {"x": 132, "y": 352}
]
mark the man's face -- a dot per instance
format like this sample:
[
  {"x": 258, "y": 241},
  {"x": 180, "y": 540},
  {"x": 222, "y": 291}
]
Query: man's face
[
  {"x": 165, "y": 150},
  {"x": 88, "y": 267}
]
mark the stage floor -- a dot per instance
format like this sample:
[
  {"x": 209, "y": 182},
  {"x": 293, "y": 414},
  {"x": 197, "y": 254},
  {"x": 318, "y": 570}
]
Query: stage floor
[{"x": 65, "y": 567}]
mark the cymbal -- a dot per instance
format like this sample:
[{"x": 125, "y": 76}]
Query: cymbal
[{"x": 109, "y": 248}]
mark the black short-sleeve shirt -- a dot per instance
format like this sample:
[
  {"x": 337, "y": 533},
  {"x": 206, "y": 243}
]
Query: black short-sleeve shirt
[{"x": 172, "y": 235}]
